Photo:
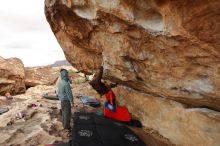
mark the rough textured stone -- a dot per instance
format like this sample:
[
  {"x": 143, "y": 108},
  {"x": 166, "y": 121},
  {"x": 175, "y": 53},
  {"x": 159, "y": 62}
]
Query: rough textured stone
[
  {"x": 11, "y": 76},
  {"x": 182, "y": 126},
  {"x": 40, "y": 76},
  {"x": 165, "y": 48}
]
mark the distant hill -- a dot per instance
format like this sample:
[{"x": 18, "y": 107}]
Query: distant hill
[{"x": 60, "y": 63}]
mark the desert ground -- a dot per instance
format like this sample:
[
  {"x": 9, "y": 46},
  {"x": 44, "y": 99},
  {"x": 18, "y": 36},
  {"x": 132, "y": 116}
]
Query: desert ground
[{"x": 42, "y": 121}]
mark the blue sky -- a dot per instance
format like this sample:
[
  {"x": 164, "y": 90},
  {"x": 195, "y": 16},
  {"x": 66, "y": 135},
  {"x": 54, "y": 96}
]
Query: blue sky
[{"x": 25, "y": 33}]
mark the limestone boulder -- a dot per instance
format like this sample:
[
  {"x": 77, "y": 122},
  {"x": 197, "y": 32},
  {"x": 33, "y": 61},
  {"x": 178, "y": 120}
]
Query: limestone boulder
[
  {"x": 12, "y": 76},
  {"x": 160, "y": 47},
  {"x": 165, "y": 54},
  {"x": 41, "y": 76},
  {"x": 181, "y": 125}
]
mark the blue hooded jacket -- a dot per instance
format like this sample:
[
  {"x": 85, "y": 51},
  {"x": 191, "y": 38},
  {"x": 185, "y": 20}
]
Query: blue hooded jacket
[{"x": 64, "y": 89}]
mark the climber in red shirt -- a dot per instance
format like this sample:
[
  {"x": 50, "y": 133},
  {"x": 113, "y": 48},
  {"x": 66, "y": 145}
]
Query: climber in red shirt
[{"x": 104, "y": 89}]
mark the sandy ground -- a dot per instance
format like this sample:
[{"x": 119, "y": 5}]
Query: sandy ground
[{"x": 42, "y": 124}]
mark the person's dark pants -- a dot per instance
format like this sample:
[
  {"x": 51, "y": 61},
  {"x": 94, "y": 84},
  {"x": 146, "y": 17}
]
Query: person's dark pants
[{"x": 66, "y": 114}]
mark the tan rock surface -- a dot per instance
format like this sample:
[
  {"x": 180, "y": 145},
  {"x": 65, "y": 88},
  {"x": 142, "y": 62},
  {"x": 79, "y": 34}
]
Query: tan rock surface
[
  {"x": 182, "y": 126},
  {"x": 40, "y": 76},
  {"x": 12, "y": 76},
  {"x": 39, "y": 126},
  {"x": 164, "y": 48},
  {"x": 42, "y": 124}
]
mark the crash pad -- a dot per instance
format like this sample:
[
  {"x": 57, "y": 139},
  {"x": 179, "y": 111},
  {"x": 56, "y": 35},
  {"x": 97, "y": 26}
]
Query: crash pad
[
  {"x": 121, "y": 114},
  {"x": 90, "y": 100},
  {"x": 3, "y": 110},
  {"x": 93, "y": 130},
  {"x": 60, "y": 144}
]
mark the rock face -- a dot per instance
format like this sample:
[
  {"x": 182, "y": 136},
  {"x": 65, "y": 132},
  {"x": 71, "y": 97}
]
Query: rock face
[
  {"x": 167, "y": 49},
  {"x": 182, "y": 126},
  {"x": 40, "y": 76},
  {"x": 11, "y": 76}
]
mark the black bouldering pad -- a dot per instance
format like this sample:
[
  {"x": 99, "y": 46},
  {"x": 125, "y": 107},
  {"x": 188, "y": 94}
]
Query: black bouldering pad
[
  {"x": 83, "y": 118},
  {"x": 93, "y": 130},
  {"x": 134, "y": 123},
  {"x": 58, "y": 144}
]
